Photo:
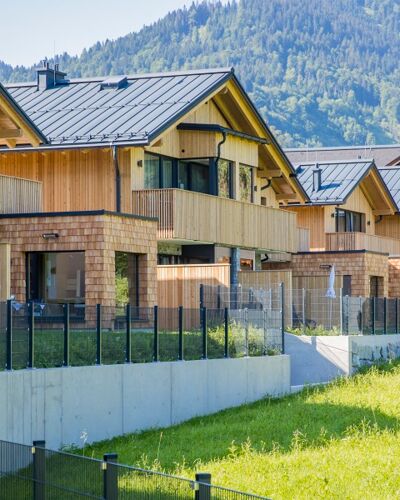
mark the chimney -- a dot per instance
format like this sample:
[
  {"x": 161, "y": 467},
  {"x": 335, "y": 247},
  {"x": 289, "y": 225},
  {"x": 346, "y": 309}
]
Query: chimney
[
  {"x": 316, "y": 178},
  {"x": 48, "y": 78}
]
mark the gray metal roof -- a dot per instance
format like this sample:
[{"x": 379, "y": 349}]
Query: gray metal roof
[
  {"x": 338, "y": 180},
  {"x": 382, "y": 155},
  {"x": 391, "y": 177},
  {"x": 82, "y": 112}
]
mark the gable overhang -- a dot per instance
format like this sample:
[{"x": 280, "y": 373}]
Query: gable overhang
[
  {"x": 241, "y": 114},
  {"x": 16, "y": 128},
  {"x": 377, "y": 193}
]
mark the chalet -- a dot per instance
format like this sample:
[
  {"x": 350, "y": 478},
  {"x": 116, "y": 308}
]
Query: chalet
[
  {"x": 168, "y": 168},
  {"x": 347, "y": 202}
]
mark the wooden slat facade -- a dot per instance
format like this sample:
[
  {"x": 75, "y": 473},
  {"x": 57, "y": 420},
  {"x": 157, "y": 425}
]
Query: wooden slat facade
[
  {"x": 180, "y": 285},
  {"x": 20, "y": 195},
  {"x": 303, "y": 239},
  {"x": 189, "y": 216}
]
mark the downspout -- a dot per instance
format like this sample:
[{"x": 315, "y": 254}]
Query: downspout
[
  {"x": 219, "y": 146},
  {"x": 117, "y": 179}
]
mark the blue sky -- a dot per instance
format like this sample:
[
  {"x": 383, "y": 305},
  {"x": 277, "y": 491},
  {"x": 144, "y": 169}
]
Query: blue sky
[{"x": 29, "y": 29}]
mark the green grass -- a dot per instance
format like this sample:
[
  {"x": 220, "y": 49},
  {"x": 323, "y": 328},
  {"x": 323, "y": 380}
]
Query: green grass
[{"x": 337, "y": 441}]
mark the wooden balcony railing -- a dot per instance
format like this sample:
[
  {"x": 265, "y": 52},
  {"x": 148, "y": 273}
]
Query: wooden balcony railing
[
  {"x": 20, "y": 195},
  {"x": 196, "y": 217},
  {"x": 303, "y": 239},
  {"x": 362, "y": 241}
]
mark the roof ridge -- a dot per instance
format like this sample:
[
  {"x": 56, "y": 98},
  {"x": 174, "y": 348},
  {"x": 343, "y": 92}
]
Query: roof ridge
[
  {"x": 138, "y": 76},
  {"x": 334, "y": 162}
]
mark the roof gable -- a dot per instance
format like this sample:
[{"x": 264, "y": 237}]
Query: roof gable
[
  {"x": 391, "y": 177},
  {"x": 15, "y": 125},
  {"x": 340, "y": 179}
]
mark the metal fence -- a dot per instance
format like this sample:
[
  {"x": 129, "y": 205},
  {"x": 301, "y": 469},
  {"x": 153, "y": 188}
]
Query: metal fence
[
  {"x": 37, "y": 335},
  {"x": 344, "y": 315},
  {"x": 34, "y": 472}
]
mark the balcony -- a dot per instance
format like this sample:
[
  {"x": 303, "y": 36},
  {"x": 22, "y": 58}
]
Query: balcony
[
  {"x": 186, "y": 216},
  {"x": 362, "y": 241},
  {"x": 20, "y": 195}
]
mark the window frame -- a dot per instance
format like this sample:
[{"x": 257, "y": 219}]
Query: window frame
[{"x": 348, "y": 217}]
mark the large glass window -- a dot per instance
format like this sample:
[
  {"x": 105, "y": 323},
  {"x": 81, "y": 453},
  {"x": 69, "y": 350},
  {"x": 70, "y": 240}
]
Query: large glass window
[
  {"x": 194, "y": 175},
  {"x": 167, "y": 173},
  {"x": 151, "y": 171},
  {"x": 225, "y": 178},
  {"x": 246, "y": 183},
  {"x": 56, "y": 277},
  {"x": 348, "y": 222}
]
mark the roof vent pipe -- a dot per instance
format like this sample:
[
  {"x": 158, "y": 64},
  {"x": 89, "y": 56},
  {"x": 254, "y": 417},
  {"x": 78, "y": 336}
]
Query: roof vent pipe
[{"x": 316, "y": 178}]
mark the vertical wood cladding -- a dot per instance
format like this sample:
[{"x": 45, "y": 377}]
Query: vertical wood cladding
[{"x": 73, "y": 180}]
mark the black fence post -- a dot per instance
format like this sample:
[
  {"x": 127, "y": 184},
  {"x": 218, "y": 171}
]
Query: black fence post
[
  {"x": 201, "y": 296},
  {"x": 31, "y": 333},
  {"x": 180, "y": 330},
  {"x": 98, "y": 334},
  {"x": 203, "y": 490},
  {"x": 128, "y": 353},
  {"x": 282, "y": 290},
  {"x": 373, "y": 314},
  {"x": 204, "y": 331},
  {"x": 218, "y": 296},
  {"x": 9, "y": 338},
  {"x": 110, "y": 476},
  {"x": 397, "y": 315},
  {"x": 156, "y": 339},
  {"x": 66, "y": 335},
  {"x": 384, "y": 315},
  {"x": 226, "y": 331},
  {"x": 39, "y": 470}
]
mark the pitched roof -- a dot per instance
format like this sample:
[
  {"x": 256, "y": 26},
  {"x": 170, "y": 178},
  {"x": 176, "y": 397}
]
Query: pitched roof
[
  {"x": 391, "y": 177},
  {"x": 338, "y": 180},
  {"x": 382, "y": 155},
  {"x": 85, "y": 112}
]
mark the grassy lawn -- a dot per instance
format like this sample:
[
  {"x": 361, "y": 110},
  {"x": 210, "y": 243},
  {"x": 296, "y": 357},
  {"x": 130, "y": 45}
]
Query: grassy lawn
[{"x": 337, "y": 441}]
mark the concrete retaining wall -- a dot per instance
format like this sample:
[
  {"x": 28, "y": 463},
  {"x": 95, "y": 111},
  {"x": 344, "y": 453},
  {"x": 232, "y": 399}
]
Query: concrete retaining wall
[
  {"x": 323, "y": 358},
  {"x": 105, "y": 401}
]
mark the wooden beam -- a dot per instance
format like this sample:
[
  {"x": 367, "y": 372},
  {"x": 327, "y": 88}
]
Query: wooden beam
[
  {"x": 287, "y": 196},
  {"x": 270, "y": 173},
  {"x": 382, "y": 212},
  {"x": 10, "y": 133},
  {"x": 11, "y": 143},
  {"x": 157, "y": 144}
]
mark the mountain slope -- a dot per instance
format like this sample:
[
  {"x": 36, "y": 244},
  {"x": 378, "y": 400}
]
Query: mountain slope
[{"x": 321, "y": 72}]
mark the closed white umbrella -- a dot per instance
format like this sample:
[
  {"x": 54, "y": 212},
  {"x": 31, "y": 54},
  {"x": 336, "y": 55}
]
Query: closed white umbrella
[{"x": 330, "y": 293}]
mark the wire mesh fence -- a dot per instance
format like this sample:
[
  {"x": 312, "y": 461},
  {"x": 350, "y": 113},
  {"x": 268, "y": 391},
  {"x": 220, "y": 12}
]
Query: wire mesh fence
[
  {"x": 34, "y": 472},
  {"x": 58, "y": 335},
  {"x": 314, "y": 314}
]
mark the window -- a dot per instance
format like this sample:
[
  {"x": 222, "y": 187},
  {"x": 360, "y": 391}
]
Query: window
[
  {"x": 158, "y": 172},
  {"x": 151, "y": 172},
  {"x": 346, "y": 285},
  {"x": 56, "y": 277},
  {"x": 376, "y": 286},
  {"x": 193, "y": 175},
  {"x": 127, "y": 284},
  {"x": 347, "y": 221},
  {"x": 246, "y": 183},
  {"x": 225, "y": 178}
]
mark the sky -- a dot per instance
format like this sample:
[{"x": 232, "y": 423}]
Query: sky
[{"x": 29, "y": 29}]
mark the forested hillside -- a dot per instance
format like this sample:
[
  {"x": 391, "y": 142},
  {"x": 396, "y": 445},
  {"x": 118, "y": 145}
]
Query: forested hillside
[{"x": 322, "y": 72}]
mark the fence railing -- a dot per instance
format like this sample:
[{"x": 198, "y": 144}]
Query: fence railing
[
  {"x": 34, "y": 335},
  {"x": 36, "y": 472},
  {"x": 344, "y": 315}
]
